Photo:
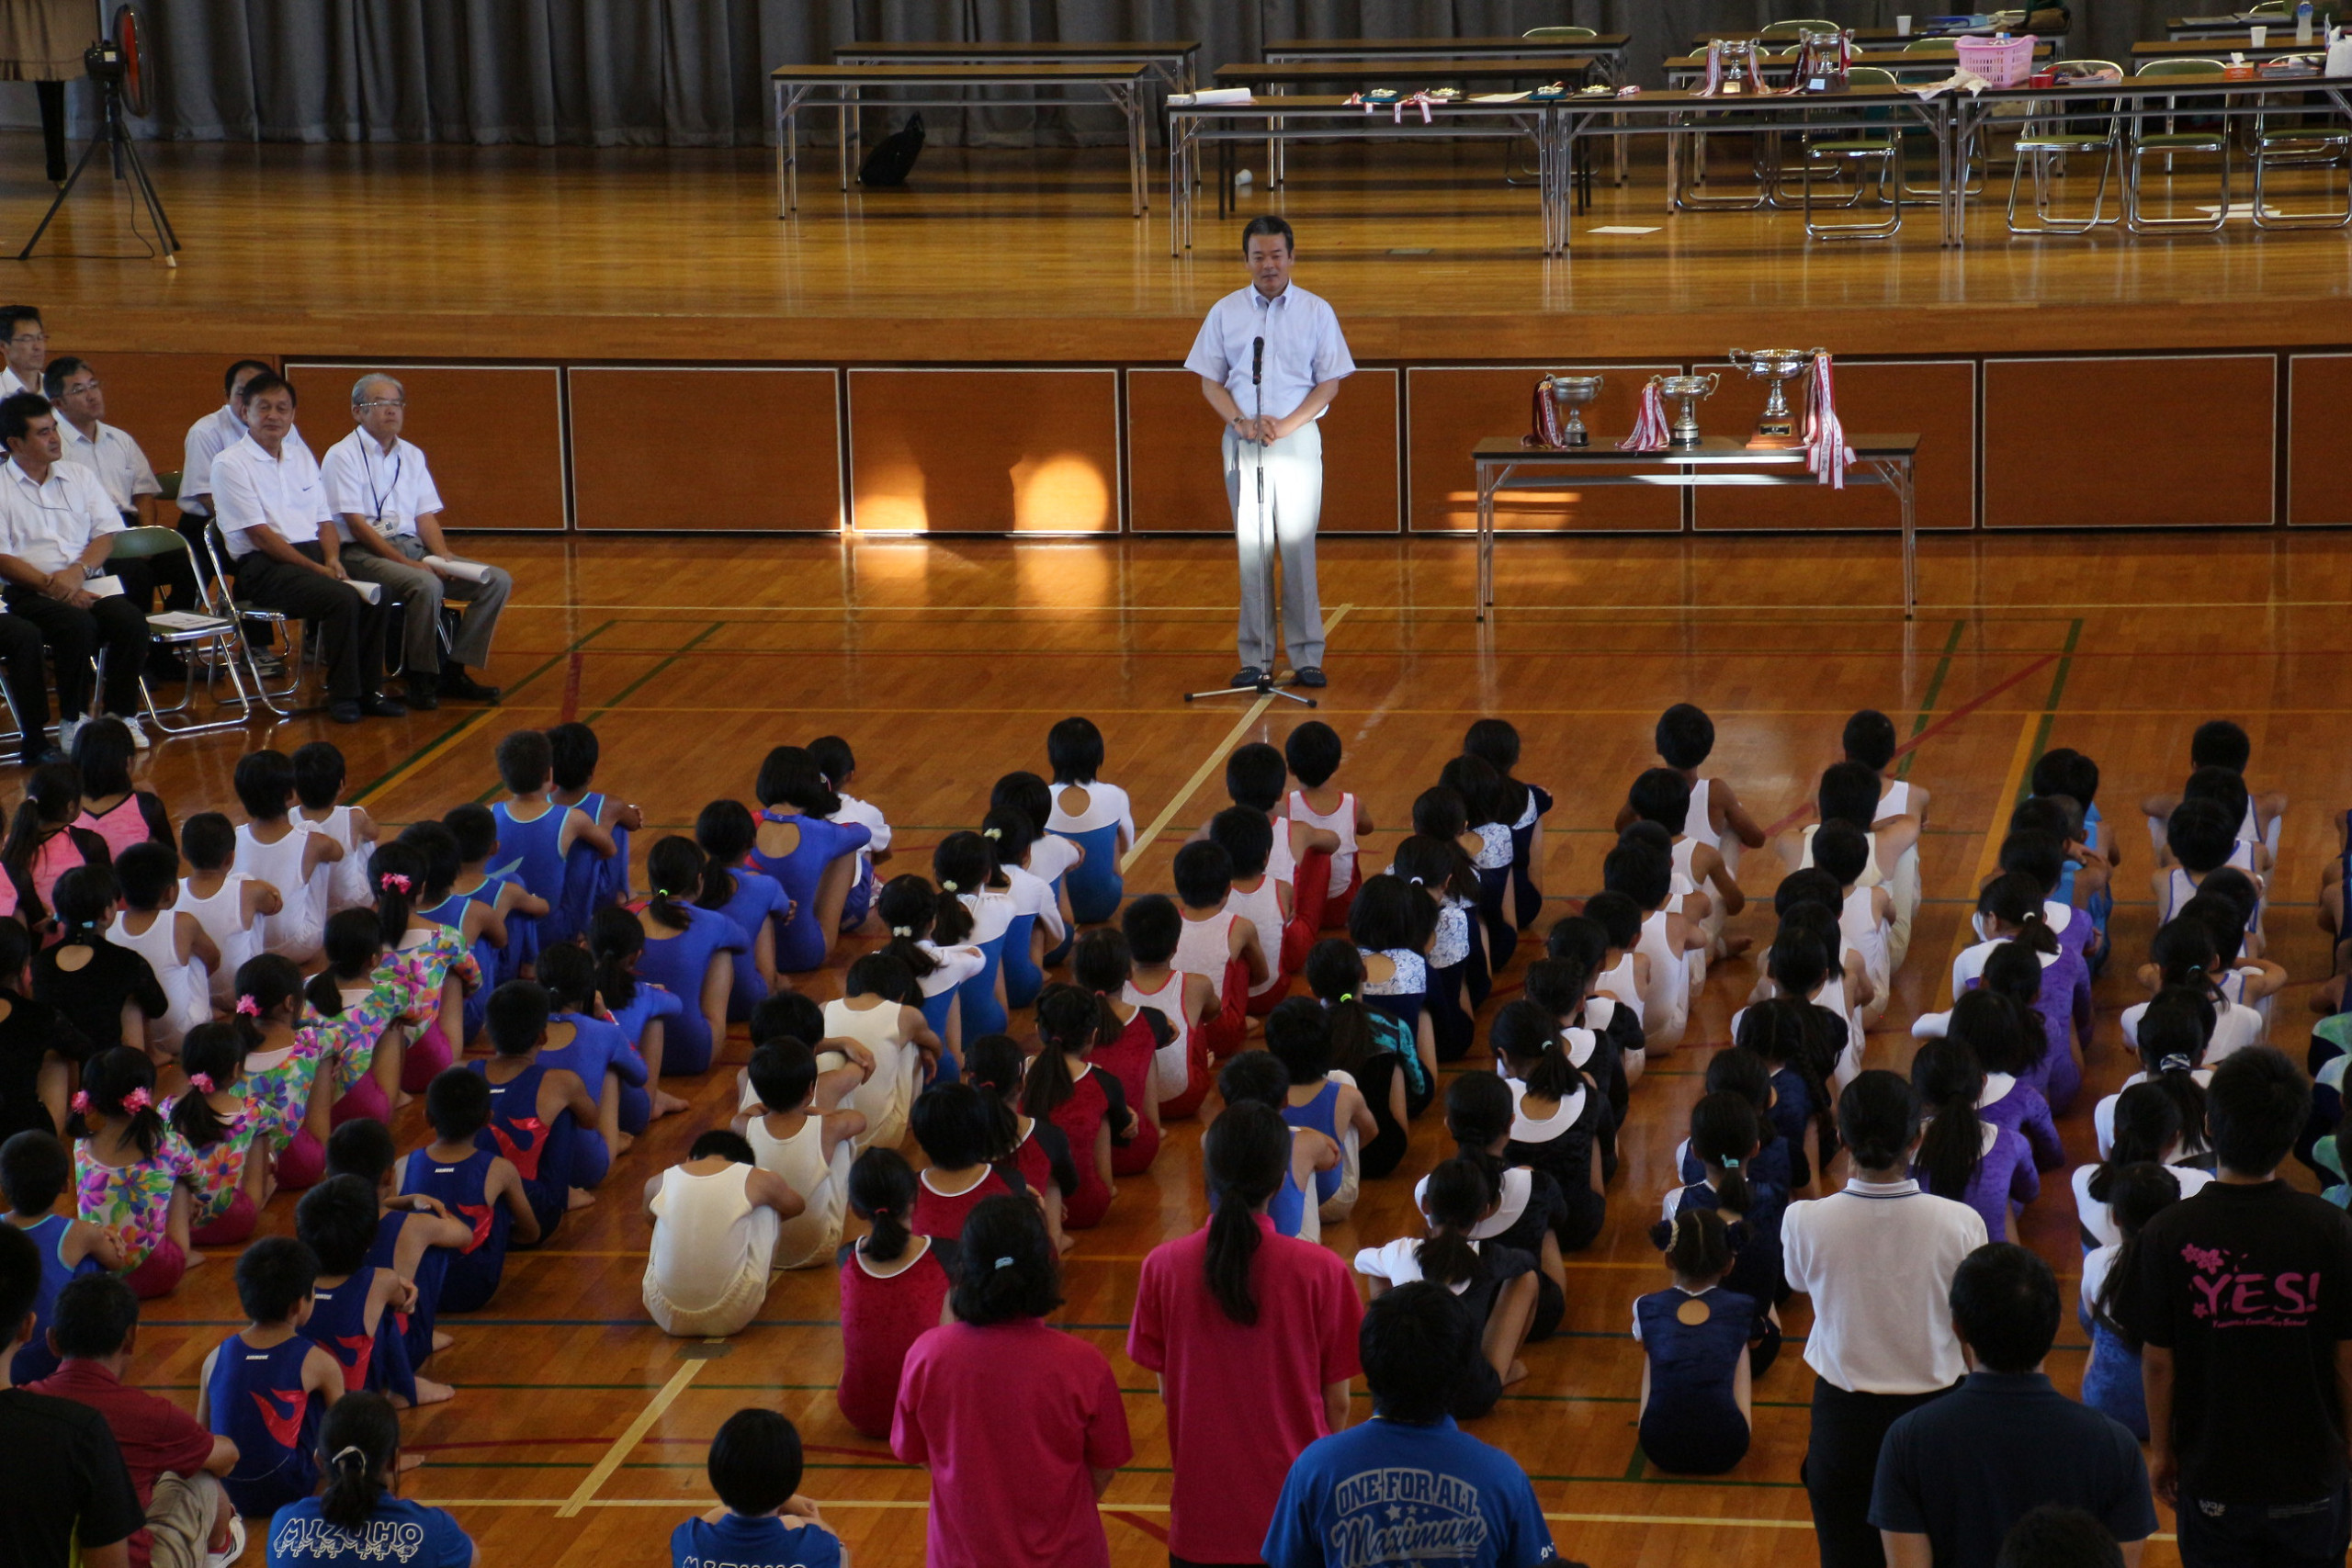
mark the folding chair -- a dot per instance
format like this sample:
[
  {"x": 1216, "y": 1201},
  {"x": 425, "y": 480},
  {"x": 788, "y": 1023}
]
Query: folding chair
[
  {"x": 2214, "y": 139},
  {"x": 289, "y": 644},
  {"x": 211, "y": 642},
  {"x": 2308, "y": 141},
  {"x": 1857, "y": 151},
  {"x": 2050, "y": 141}
]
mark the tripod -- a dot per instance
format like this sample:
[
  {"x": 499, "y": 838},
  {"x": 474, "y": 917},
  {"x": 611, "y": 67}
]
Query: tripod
[
  {"x": 114, "y": 133},
  {"x": 1265, "y": 685}
]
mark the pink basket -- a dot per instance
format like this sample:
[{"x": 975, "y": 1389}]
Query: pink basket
[{"x": 2004, "y": 63}]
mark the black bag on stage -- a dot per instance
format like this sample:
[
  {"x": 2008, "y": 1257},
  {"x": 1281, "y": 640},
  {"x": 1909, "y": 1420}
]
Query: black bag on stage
[{"x": 893, "y": 158}]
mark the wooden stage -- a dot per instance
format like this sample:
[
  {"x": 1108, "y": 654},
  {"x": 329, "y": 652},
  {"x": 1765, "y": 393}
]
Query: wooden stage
[
  {"x": 623, "y": 340},
  {"x": 577, "y": 1436}
]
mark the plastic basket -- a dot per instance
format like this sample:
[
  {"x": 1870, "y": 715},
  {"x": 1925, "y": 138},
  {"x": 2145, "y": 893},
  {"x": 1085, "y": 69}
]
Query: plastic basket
[{"x": 2003, "y": 63}]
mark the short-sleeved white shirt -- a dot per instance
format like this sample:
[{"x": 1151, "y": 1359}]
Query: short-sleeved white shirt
[
  {"x": 390, "y": 491},
  {"x": 48, "y": 526},
  {"x": 1878, "y": 1261},
  {"x": 1304, "y": 347},
  {"x": 251, "y": 487},
  {"x": 116, "y": 458},
  {"x": 207, "y": 439}
]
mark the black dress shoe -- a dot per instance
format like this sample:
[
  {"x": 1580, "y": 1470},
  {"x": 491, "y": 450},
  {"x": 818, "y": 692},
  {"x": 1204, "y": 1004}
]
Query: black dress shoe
[
  {"x": 424, "y": 693},
  {"x": 40, "y": 754},
  {"x": 1249, "y": 675},
  {"x": 345, "y": 713},
  {"x": 1311, "y": 675},
  {"x": 456, "y": 683},
  {"x": 375, "y": 704}
]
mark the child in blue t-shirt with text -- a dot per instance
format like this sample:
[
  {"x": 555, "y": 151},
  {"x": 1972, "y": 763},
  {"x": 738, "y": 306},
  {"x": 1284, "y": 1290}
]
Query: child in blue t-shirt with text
[{"x": 761, "y": 1521}]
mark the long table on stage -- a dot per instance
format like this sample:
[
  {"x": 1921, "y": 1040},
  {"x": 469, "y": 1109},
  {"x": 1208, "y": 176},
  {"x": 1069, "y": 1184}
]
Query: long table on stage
[
  {"x": 1122, "y": 82},
  {"x": 1176, "y": 60},
  {"x": 1505, "y": 463}
]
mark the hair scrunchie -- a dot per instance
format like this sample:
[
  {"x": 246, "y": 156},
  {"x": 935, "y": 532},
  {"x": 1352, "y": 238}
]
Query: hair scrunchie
[{"x": 248, "y": 1007}]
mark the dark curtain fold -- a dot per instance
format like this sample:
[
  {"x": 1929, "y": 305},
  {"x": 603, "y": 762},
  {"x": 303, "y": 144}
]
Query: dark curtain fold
[{"x": 693, "y": 72}]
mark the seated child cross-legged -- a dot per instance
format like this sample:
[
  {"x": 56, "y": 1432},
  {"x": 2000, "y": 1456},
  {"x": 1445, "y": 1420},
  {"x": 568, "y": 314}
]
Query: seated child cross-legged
[
  {"x": 475, "y": 1184},
  {"x": 894, "y": 1286},
  {"x": 798, "y": 1132},
  {"x": 538, "y": 1114},
  {"x": 715, "y": 1218},
  {"x": 264, "y": 1387},
  {"x": 337, "y": 1220}
]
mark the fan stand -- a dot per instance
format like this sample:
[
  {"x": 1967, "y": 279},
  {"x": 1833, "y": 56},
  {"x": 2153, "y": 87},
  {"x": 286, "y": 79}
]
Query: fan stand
[{"x": 114, "y": 133}]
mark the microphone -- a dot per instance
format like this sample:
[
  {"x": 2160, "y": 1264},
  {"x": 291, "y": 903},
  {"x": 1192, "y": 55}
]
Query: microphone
[{"x": 1257, "y": 361}]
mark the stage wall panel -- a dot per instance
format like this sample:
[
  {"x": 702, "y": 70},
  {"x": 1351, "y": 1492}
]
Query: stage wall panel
[
  {"x": 1935, "y": 399},
  {"x": 155, "y": 396},
  {"x": 1450, "y": 408},
  {"x": 984, "y": 451},
  {"x": 767, "y": 447},
  {"x": 495, "y": 434},
  {"x": 2146, "y": 441},
  {"x": 2319, "y": 460},
  {"x": 1175, "y": 483}
]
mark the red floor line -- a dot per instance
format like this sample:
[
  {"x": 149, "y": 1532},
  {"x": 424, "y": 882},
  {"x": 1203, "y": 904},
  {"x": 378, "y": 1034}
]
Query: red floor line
[
  {"x": 571, "y": 685},
  {"x": 1139, "y": 1522},
  {"x": 1938, "y": 728}
]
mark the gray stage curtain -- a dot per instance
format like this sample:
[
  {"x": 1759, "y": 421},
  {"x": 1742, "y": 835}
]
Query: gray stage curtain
[{"x": 693, "y": 73}]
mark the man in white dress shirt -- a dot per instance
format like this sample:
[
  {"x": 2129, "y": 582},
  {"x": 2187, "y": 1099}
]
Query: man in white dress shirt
[
  {"x": 207, "y": 439},
  {"x": 380, "y": 485},
  {"x": 25, "y": 347},
  {"x": 72, "y": 386},
  {"x": 56, "y": 526},
  {"x": 1273, "y": 423},
  {"x": 272, "y": 508}
]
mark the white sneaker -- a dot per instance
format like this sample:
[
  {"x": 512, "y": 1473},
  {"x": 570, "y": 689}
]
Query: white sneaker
[
  {"x": 137, "y": 736},
  {"x": 228, "y": 1555},
  {"x": 67, "y": 729}
]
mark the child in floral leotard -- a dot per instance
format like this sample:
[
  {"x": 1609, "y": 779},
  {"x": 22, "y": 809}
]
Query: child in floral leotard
[{"x": 129, "y": 1167}]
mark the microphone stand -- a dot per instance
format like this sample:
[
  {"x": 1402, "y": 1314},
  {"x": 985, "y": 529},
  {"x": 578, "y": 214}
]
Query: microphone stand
[{"x": 1265, "y": 685}]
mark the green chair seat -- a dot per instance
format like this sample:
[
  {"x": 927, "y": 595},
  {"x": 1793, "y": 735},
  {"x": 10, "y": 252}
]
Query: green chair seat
[
  {"x": 2062, "y": 144},
  {"x": 2187, "y": 140}
]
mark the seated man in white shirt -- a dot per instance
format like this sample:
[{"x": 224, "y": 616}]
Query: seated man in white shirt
[
  {"x": 26, "y": 347},
  {"x": 108, "y": 451},
  {"x": 381, "y": 487},
  {"x": 56, "y": 526},
  {"x": 207, "y": 439},
  {"x": 272, "y": 509}
]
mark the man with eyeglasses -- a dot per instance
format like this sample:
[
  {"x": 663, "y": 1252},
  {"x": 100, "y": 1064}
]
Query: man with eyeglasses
[
  {"x": 381, "y": 489},
  {"x": 106, "y": 450},
  {"x": 56, "y": 524},
  {"x": 272, "y": 507},
  {"x": 26, "y": 348}
]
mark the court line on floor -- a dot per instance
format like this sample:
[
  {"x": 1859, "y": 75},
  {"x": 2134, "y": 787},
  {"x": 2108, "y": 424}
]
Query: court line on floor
[
  {"x": 628, "y": 1440},
  {"x": 1935, "y": 690},
  {"x": 1209, "y": 763},
  {"x": 409, "y": 763}
]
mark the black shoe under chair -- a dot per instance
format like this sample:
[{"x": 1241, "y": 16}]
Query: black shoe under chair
[{"x": 456, "y": 683}]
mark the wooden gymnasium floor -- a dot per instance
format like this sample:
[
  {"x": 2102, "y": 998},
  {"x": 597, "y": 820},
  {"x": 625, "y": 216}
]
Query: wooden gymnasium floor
[{"x": 578, "y": 1432}]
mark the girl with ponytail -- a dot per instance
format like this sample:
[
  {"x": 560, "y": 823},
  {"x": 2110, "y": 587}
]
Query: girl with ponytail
[
  {"x": 43, "y": 842},
  {"x": 2111, "y": 1382},
  {"x": 643, "y": 1010},
  {"x": 1036, "y": 923},
  {"x": 1963, "y": 1157},
  {"x": 893, "y": 1283},
  {"x": 1088, "y": 1105},
  {"x": 2147, "y": 1131},
  {"x": 1558, "y": 1116},
  {"x": 752, "y": 899},
  {"x": 1131, "y": 1037},
  {"x": 214, "y": 1117},
  {"x": 129, "y": 1169},
  {"x": 912, "y": 914},
  {"x": 1254, "y": 1335},
  {"x": 973, "y": 907},
  {"x": 2009, "y": 910},
  {"x": 1781, "y": 1031},
  {"x": 813, "y": 857},
  {"x": 2173, "y": 1035},
  {"x": 360, "y": 1009},
  {"x": 1701, "y": 1344},
  {"x": 360, "y": 1455},
  {"x": 1725, "y": 1137},
  {"x": 1497, "y": 1282},
  {"x": 2006, "y": 1041},
  {"x": 1375, "y": 1050},
  {"x": 436, "y": 957},
  {"x": 1530, "y": 1213},
  {"x": 2184, "y": 953},
  {"x": 92, "y": 982},
  {"x": 1037, "y": 1149},
  {"x": 690, "y": 952},
  {"x": 289, "y": 1083}
]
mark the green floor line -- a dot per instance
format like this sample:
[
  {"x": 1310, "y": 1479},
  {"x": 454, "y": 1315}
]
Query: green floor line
[
  {"x": 1935, "y": 689},
  {"x": 471, "y": 722}
]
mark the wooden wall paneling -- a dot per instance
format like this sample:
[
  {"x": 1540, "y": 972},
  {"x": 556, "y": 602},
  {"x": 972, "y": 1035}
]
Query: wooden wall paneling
[
  {"x": 155, "y": 396},
  {"x": 1935, "y": 399},
  {"x": 495, "y": 434},
  {"x": 1176, "y": 485},
  {"x": 766, "y": 446},
  {"x": 2148, "y": 441},
  {"x": 1449, "y": 409},
  {"x": 2319, "y": 460},
  {"x": 984, "y": 451}
]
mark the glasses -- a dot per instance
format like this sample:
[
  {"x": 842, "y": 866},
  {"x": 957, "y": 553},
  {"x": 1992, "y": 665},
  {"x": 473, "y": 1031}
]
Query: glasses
[
  {"x": 387, "y": 403},
  {"x": 31, "y": 337}
]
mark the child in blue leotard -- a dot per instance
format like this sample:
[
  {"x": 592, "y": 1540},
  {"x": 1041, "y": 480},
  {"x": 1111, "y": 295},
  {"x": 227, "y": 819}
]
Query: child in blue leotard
[
  {"x": 752, "y": 899},
  {"x": 476, "y": 831},
  {"x": 930, "y": 936},
  {"x": 1298, "y": 1031},
  {"x": 2112, "y": 1380},
  {"x": 581, "y": 1041},
  {"x": 815, "y": 859},
  {"x": 1090, "y": 814},
  {"x": 1698, "y": 1339},
  {"x": 264, "y": 1387},
  {"x": 541, "y": 1118},
  {"x": 644, "y": 1011},
  {"x": 839, "y": 764},
  {"x": 535, "y": 834},
  {"x": 1051, "y": 857},
  {"x": 690, "y": 950},
  {"x": 478, "y": 1186},
  {"x": 966, "y": 870},
  {"x": 591, "y": 881},
  {"x": 1036, "y": 913},
  {"x": 35, "y": 1171}
]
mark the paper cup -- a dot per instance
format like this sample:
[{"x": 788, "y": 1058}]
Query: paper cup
[
  {"x": 1901, "y": 26},
  {"x": 2259, "y": 35}
]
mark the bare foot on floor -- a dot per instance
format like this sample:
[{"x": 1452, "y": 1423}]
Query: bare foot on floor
[
  {"x": 409, "y": 1462},
  {"x": 1736, "y": 945},
  {"x": 578, "y": 1200},
  {"x": 430, "y": 1392},
  {"x": 442, "y": 1341},
  {"x": 1517, "y": 1373},
  {"x": 667, "y": 1104},
  {"x": 196, "y": 1257},
  {"x": 622, "y": 1142}
]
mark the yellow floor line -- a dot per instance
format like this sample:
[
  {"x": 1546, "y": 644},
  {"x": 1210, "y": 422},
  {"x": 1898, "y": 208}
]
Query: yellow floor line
[
  {"x": 628, "y": 1440},
  {"x": 1989, "y": 860}
]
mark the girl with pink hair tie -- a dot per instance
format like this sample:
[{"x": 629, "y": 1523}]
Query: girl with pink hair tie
[{"x": 128, "y": 1167}]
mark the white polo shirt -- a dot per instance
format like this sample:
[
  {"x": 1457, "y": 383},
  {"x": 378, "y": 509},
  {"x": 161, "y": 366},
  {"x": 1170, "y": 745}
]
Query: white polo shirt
[
  {"x": 391, "y": 491},
  {"x": 48, "y": 526},
  {"x": 250, "y": 487},
  {"x": 115, "y": 458},
  {"x": 207, "y": 439},
  {"x": 1878, "y": 1260},
  {"x": 10, "y": 384},
  {"x": 1305, "y": 347}
]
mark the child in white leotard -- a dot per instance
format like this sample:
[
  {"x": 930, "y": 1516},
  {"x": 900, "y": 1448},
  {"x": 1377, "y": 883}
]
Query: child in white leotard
[
  {"x": 284, "y": 852},
  {"x": 1685, "y": 738},
  {"x": 318, "y": 785},
  {"x": 1313, "y": 753}
]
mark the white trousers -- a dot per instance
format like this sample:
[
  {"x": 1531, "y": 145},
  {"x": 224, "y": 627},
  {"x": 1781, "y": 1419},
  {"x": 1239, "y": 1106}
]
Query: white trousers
[{"x": 1294, "y": 473}]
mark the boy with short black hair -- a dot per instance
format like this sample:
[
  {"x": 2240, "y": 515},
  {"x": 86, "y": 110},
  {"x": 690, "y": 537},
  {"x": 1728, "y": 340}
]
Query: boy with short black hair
[
  {"x": 231, "y": 904},
  {"x": 35, "y": 1171},
  {"x": 338, "y": 1220},
  {"x": 1189, "y": 1002},
  {"x": 762, "y": 1520},
  {"x": 541, "y": 1118},
  {"x": 591, "y": 878},
  {"x": 1218, "y": 942},
  {"x": 1259, "y": 896},
  {"x": 539, "y": 834},
  {"x": 415, "y": 1235},
  {"x": 62, "y": 1484},
  {"x": 264, "y": 1387},
  {"x": 1685, "y": 738},
  {"x": 478, "y": 1185},
  {"x": 1313, "y": 755},
  {"x": 1466, "y": 1501}
]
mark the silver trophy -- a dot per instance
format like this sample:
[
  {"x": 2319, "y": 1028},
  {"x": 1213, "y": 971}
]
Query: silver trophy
[
  {"x": 1689, "y": 390},
  {"x": 1569, "y": 394},
  {"x": 1776, "y": 428}
]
